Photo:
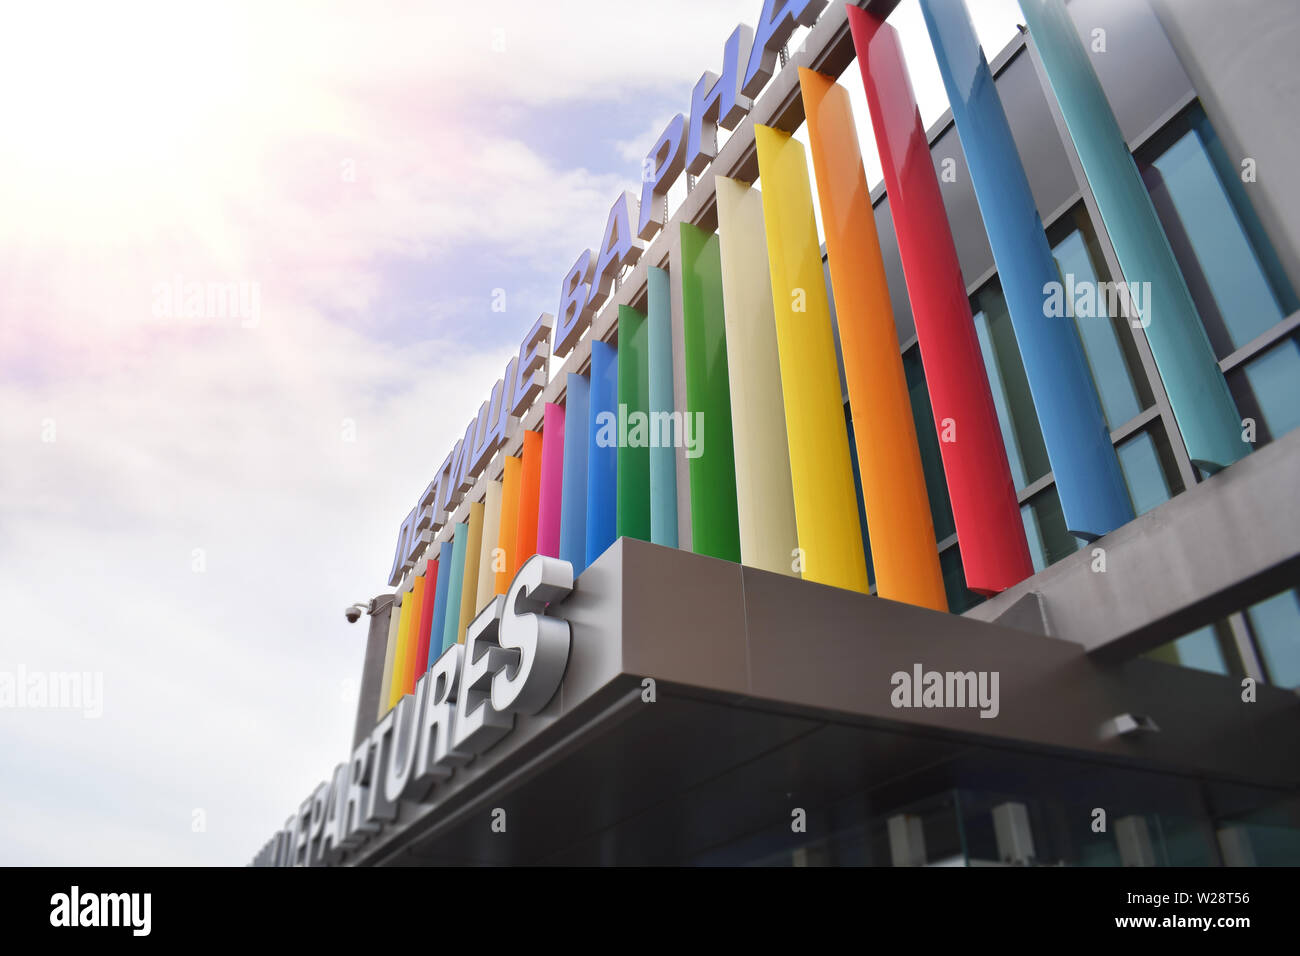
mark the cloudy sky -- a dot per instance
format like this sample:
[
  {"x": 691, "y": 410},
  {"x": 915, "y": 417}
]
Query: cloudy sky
[{"x": 190, "y": 498}]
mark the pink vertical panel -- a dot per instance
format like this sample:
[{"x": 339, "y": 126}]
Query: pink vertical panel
[{"x": 548, "y": 512}]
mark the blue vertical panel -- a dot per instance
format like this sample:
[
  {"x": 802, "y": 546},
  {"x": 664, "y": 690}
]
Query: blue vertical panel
[
  {"x": 455, "y": 584},
  {"x": 573, "y": 498},
  {"x": 1082, "y": 458},
  {"x": 602, "y": 451},
  {"x": 445, "y": 558},
  {"x": 1202, "y": 404},
  {"x": 663, "y": 460}
]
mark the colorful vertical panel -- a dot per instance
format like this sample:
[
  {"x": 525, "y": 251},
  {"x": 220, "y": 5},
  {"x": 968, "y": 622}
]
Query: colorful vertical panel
[
  {"x": 510, "y": 482},
  {"x": 455, "y": 587},
  {"x": 633, "y": 518},
  {"x": 573, "y": 494},
  {"x": 1094, "y": 498},
  {"x": 764, "y": 496},
  {"x": 424, "y": 629},
  {"x": 550, "y": 494},
  {"x": 395, "y": 688},
  {"x": 903, "y": 551},
  {"x": 825, "y": 501},
  {"x": 987, "y": 516},
  {"x": 663, "y": 463},
  {"x": 715, "y": 526},
  {"x": 411, "y": 668},
  {"x": 487, "y": 579},
  {"x": 473, "y": 553},
  {"x": 390, "y": 657},
  {"x": 530, "y": 489},
  {"x": 1202, "y": 404},
  {"x": 445, "y": 560},
  {"x": 602, "y": 451}
]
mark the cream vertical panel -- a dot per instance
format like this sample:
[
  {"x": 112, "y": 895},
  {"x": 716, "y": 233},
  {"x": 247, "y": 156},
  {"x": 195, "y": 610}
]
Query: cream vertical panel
[
  {"x": 473, "y": 555},
  {"x": 395, "y": 689},
  {"x": 390, "y": 656},
  {"x": 764, "y": 496},
  {"x": 487, "y": 578}
]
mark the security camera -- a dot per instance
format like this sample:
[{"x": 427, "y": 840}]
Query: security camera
[{"x": 353, "y": 612}]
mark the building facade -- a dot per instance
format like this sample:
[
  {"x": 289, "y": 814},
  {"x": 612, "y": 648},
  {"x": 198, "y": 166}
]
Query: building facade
[{"x": 947, "y": 523}]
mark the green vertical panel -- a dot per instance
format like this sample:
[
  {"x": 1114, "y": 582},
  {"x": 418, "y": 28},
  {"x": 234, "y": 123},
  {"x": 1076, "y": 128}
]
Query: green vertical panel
[
  {"x": 715, "y": 527},
  {"x": 633, "y": 519}
]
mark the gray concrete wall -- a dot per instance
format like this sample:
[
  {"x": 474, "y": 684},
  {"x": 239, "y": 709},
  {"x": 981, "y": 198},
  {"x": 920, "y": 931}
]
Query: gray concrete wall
[{"x": 372, "y": 670}]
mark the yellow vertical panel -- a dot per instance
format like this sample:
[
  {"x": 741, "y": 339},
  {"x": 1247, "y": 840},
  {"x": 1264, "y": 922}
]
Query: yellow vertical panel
[
  {"x": 390, "y": 656},
  {"x": 395, "y": 687},
  {"x": 473, "y": 550},
  {"x": 491, "y": 533},
  {"x": 764, "y": 495},
  {"x": 511, "y": 483},
  {"x": 825, "y": 500},
  {"x": 903, "y": 549}
]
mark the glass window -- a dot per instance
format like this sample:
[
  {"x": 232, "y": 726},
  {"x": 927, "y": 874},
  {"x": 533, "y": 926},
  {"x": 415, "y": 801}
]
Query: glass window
[
  {"x": 1017, "y": 418},
  {"x": 857, "y": 487},
  {"x": 1149, "y": 470},
  {"x": 1222, "y": 251},
  {"x": 1267, "y": 389},
  {"x": 1107, "y": 341},
  {"x": 1209, "y": 648},
  {"x": 931, "y": 462},
  {"x": 1049, "y": 541},
  {"x": 1276, "y": 626},
  {"x": 960, "y": 598}
]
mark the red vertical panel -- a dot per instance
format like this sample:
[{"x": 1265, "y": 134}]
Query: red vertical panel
[
  {"x": 989, "y": 528},
  {"x": 425, "y": 624}
]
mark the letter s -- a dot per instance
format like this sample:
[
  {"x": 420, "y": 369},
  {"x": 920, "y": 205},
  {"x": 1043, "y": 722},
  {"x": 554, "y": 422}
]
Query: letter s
[{"x": 541, "y": 643}]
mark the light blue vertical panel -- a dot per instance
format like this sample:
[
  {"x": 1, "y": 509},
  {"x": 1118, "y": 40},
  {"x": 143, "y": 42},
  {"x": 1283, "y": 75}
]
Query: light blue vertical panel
[
  {"x": 1202, "y": 404},
  {"x": 663, "y": 464},
  {"x": 456, "y": 583},
  {"x": 573, "y": 501},
  {"x": 446, "y": 555},
  {"x": 602, "y": 451},
  {"x": 1083, "y": 462}
]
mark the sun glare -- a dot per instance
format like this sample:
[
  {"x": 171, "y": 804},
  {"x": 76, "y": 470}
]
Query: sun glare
[{"x": 119, "y": 117}]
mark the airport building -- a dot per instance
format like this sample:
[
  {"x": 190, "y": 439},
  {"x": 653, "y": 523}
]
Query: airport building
[{"x": 950, "y": 522}]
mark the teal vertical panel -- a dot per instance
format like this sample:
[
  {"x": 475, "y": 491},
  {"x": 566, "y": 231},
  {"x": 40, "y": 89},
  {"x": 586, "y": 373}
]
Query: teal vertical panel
[
  {"x": 573, "y": 493},
  {"x": 1202, "y": 404},
  {"x": 663, "y": 463},
  {"x": 602, "y": 451},
  {"x": 633, "y": 409},
  {"x": 456, "y": 583},
  {"x": 715, "y": 522},
  {"x": 436, "y": 629}
]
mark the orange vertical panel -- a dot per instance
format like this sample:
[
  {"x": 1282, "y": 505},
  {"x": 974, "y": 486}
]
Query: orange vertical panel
[
  {"x": 411, "y": 669},
  {"x": 903, "y": 550},
  {"x": 530, "y": 486},
  {"x": 510, "y": 482}
]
